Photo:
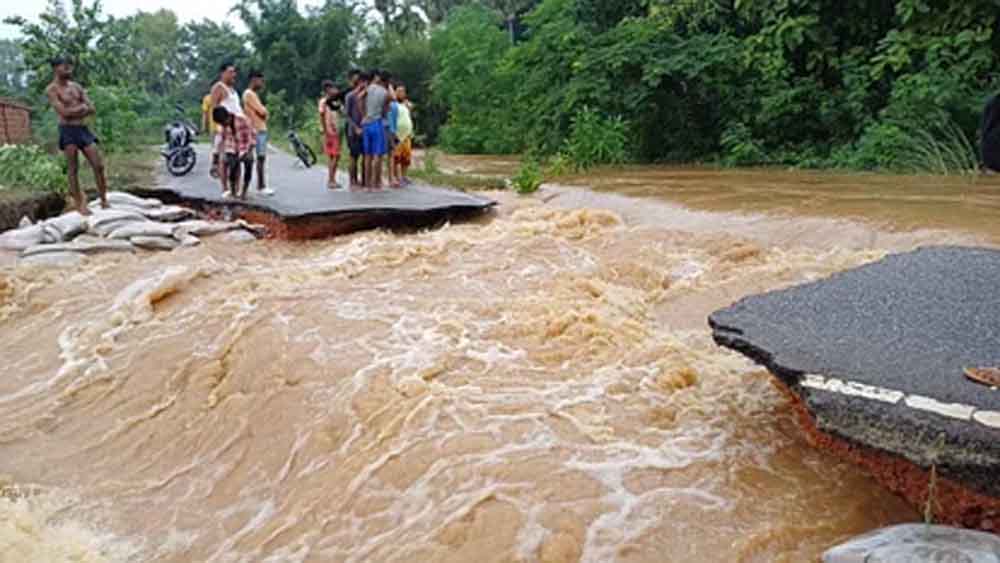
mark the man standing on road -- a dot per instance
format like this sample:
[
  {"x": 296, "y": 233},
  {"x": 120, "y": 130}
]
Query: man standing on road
[
  {"x": 375, "y": 145},
  {"x": 355, "y": 114},
  {"x": 258, "y": 116},
  {"x": 70, "y": 102},
  {"x": 223, "y": 94}
]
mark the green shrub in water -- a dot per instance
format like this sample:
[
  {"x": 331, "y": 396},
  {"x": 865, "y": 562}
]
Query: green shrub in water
[
  {"x": 529, "y": 177},
  {"x": 932, "y": 145},
  {"x": 28, "y": 167},
  {"x": 596, "y": 140},
  {"x": 558, "y": 165},
  {"x": 431, "y": 162}
]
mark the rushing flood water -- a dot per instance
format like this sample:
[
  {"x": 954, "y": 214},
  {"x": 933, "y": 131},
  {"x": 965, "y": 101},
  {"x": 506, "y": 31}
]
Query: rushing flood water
[{"x": 536, "y": 386}]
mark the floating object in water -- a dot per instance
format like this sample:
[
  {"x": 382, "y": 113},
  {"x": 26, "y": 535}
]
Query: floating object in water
[{"x": 986, "y": 376}]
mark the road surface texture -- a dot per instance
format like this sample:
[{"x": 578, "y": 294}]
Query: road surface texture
[
  {"x": 876, "y": 357},
  {"x": 303, "y": 202}
]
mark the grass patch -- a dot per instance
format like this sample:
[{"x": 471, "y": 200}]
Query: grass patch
[
  {"x": 463, "y": 182},
  {"x": 129, "y": 171}
]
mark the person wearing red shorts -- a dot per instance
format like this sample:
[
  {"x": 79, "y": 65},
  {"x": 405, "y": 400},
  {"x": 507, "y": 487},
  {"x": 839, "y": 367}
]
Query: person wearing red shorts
[{"x": 333, "y": 110}]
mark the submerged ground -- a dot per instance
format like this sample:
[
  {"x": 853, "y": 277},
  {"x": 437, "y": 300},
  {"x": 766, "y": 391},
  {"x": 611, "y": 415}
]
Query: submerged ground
[{"x": 536, "y": 386}]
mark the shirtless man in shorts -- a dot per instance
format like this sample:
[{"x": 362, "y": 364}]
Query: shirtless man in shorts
[{"x": 70, "y": 102}]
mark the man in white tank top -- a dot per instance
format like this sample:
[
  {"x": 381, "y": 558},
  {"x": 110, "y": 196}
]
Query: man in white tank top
[{"x": 224, "y": 94}]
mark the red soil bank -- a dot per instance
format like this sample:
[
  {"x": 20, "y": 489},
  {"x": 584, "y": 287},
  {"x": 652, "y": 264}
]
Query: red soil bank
[
  {"x": 318, "y": 227},
  {"x": 953, "y": 504}
]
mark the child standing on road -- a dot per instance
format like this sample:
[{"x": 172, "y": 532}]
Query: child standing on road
[
  {"x": 332, "y": 117},
  {"x": 403, "y": 155},
  {"x": 238, "y": 143}
]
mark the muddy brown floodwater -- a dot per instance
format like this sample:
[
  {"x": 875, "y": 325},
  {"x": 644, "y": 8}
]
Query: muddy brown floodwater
[{"x": 538, "y": 386}]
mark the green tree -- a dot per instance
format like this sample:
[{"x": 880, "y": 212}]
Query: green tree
[
  {"x": 154, "y": 47},
  {"x": 471, "y": 83},
  {"x": 83, "y": 34},
  {"x": 206, "y": 45}
]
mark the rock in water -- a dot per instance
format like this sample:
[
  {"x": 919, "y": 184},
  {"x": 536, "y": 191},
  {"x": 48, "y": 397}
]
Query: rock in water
[
  {"x": 20, "y": 239},
  {"x": 917, "y": 543},
  {"x": 239, "y": 237},
  {"x": 155, "y": 243},
  {"x": 144, "y": 229}
]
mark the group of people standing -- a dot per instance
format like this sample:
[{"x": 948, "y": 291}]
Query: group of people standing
[
  {"x": 376, "y": 117},
  {"x": 240, "y": 135}
]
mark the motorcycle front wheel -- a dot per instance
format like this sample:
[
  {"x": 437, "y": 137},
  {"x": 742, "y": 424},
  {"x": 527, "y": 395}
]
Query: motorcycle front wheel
[
  {"x": 182, "y": 161},
  {"x": 305, "y": 154}
]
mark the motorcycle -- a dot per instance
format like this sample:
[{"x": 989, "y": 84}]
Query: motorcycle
[{"x": 178, "y": 152}]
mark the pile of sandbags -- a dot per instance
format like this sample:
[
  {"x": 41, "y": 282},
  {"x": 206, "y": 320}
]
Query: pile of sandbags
[{"x": 131, "y": 222}]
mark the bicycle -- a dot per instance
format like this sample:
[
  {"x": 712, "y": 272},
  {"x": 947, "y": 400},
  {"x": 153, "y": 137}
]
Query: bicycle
[{"x": 302, "y": 150}]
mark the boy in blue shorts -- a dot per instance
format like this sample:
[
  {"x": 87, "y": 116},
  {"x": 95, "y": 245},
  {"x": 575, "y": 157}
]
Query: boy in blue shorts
[{"x": 376, "y": 102}]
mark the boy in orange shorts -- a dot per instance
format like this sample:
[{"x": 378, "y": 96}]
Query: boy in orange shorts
[{"x": 403, "y": 155}]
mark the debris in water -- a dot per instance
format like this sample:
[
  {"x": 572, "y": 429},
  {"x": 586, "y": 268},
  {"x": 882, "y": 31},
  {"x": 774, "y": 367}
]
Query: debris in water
[{"x": 986, "y": 376}]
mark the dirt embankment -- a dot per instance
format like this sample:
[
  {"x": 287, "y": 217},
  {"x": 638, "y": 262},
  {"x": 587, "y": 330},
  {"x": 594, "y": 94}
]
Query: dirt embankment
[{"x": 34, "y": 206}]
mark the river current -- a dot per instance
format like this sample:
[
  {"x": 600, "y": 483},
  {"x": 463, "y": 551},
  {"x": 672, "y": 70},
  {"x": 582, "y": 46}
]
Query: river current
[{"x": 539, "y": 385}]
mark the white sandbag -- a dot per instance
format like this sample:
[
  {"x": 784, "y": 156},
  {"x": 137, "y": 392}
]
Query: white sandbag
[
  {"x": 105, "y": 216},
  {"x": 187, "y": 241},
  {"x": 53, "y": 259},
  {"x": 106, "y": 229},
  {"x": 917, "y": 543},
  {"x": 19, "y": 239},
  {"x": 127, "y": 199},
  {"x": 155, "y": 243},
  {"x": 83, "y": 244},
  {"x": 207, "y": 228},
  {"x": 143, "y": 229},
  {"x": 168, "y": 213},
  {"x": 64, "y": 227}
]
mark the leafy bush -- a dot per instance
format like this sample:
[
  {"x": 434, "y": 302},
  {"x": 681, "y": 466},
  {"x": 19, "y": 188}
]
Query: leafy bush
[
  {"x": 595, "y": 140},
  {"x": 29, "y": 167},
  {"x": 935, "y": 145},
  {"x": 739, "y": 147},
  {"x": 558, "y": 165},
  {"x": 529, "y": 177}
]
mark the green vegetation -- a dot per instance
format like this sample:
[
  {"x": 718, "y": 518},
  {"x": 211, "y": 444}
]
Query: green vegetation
[
  {"x": 29, "y": 168},
  {"x": 893, "y": 85},
  {"x": 529, "y": 178}
]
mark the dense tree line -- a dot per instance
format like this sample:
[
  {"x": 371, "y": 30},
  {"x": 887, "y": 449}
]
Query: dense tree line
[{"x": 856, "y": 83}]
